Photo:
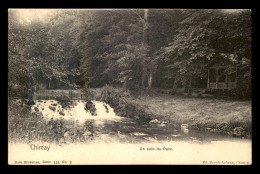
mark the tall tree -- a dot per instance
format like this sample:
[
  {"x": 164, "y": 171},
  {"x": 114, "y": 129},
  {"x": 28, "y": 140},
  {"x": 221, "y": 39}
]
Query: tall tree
[{"x": 204, "y": 35}]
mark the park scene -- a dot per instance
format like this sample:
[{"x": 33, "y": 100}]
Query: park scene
[{"x": 82, "y": 76}]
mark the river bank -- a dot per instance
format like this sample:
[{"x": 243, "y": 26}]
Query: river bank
[{"x": 201, "y": 114}]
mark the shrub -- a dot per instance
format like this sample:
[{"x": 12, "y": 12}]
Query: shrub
[
  {"x": 88, "y": 125},
  {"x": 122, "y": 102},
  {"x": 24, "y": 126},
  {"x": 109, "y": 93}
]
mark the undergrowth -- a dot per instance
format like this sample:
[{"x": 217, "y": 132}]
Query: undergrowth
[{"x": 24, "y": 126}]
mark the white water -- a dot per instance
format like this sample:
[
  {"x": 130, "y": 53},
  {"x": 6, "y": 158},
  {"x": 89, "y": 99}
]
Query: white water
[{"x": 76, "y": 111}]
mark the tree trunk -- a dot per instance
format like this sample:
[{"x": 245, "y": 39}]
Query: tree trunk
[
  {"x": 186, "y": 86},
  {"x": 143, "y": 79},
  {"x": 150, "y": 80},
  {"x": 189, "y": 87},
  {"x": 239, "y": 79},
  {"x": 145, "y": 26},
  {"x": 144, "y": 65},
  {"x": 175, "y": 83},
  {"x": 49, "y": 84}
]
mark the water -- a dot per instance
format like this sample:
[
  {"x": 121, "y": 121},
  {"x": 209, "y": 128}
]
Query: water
[
  {"x": 119, "y": 140},
  {"x": 110, "y": 128}
]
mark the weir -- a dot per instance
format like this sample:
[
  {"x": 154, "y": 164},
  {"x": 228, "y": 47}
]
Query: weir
[{"x": 52, "y": 109}]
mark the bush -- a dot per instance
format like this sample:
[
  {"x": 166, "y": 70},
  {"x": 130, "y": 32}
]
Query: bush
[
  {"x": 122, "y": 102},
  {"x": 89, "y": 126}
]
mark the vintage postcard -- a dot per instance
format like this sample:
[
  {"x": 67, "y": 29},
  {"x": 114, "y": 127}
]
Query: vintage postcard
[{"x": 129, "y": 86}]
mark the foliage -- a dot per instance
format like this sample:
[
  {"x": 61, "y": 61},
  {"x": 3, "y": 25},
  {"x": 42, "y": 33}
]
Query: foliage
[
  {"x": 205, "y": 36},
  {"x": 17, "y": 69},
  {"x": 126, "y": 48},
  {"x": 23, "y": 126},
  {"x": 40, "y": 51},
  {"x": 123, "y": 103},
  {"x": 119, "y": 55}
]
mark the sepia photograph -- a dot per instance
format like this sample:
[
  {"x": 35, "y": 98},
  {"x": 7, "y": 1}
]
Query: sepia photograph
[{"x": 129, "y": 86}]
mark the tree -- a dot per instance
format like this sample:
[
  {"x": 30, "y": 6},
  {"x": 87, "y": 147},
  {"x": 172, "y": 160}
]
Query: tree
[
  {"x": 205, "y": 35},
  {"x": 124, "y": 47},
  {"x": 52, "y": 50},
  {"x": 42, "y": 50},
  {"x": 129, "y": 48},
  {"x": 115, "y": 42},
  {"x": 17, "y": 45}
]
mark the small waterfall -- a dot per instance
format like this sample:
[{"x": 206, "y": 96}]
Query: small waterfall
[{"x": 76, "y": 111}]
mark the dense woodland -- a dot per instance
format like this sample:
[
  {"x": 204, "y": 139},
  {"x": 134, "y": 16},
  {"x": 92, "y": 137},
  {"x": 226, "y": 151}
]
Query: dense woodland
[{"x": 132, "y": 49}]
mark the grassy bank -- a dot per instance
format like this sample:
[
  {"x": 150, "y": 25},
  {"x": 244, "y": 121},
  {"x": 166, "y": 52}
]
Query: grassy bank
[{"x": 210, "y": 114}]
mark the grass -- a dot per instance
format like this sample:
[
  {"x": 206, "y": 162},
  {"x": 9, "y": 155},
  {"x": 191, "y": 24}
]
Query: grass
[{"x": 199, "y": 113}]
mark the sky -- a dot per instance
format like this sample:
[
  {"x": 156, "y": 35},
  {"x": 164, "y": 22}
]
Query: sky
[
  {"x": 233, "y": 10},
  {"x": 28, "y": 15}
]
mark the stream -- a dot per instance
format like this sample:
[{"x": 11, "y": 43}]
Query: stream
[{"x": 110, "y": 128}]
